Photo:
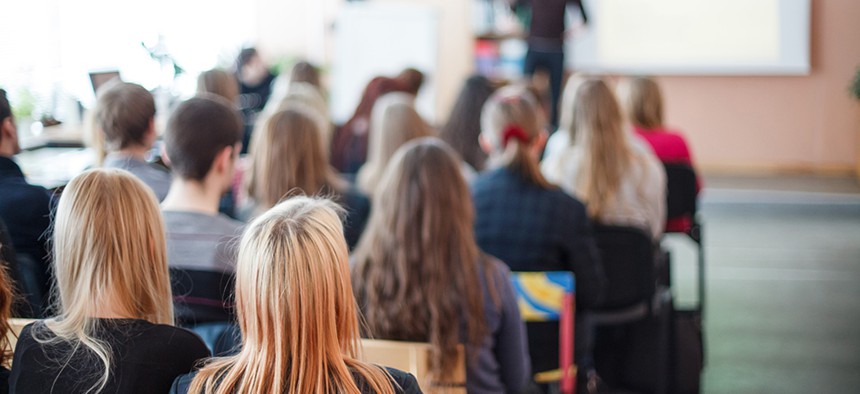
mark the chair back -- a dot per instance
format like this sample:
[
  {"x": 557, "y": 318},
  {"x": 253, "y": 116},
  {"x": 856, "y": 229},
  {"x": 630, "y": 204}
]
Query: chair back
[
  {"x": 202, "y": 296},
  {"x": 681, "y": 190},
  {"x": 628, "y": 262},
  {"x": 550, "y": 296},
  {"x": 414, "y": 357}
]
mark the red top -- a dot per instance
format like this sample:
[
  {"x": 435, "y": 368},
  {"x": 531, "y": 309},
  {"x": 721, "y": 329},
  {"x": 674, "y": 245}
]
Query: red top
[{"x": 670, "y": 147}]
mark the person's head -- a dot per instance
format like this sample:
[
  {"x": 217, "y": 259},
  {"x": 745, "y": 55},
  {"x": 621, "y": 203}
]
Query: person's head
[
  {"x": 288, "y": 157},
  {"x": 412, "y": 80},
  {"x": 394, "y": 121},
  {"x": 125, "y": 115},
  {"x": 219, "y": 82},
  {"x": 9, "y": 144},
  {"x": 599, "y": 129},
  {"x": 306, "y": 72},
  {"x": 203, "y": 140},
  {"x": 568, "y": 97},
  {"x": 512, "y": 133},
  {"x": 464, "y": 124},
  {"x": 109, "y": 258},
  {"x": 642, "y": 101},
  {"x": 416, "y": 265},
  {"x": 295, "y": 308},
  {"x": 250, "y": 68}
]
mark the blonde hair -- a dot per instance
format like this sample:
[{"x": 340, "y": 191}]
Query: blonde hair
[
  {"x": 417, "y": 266},
  {"x": 508, "y": 107},
  {"x": 109, "y": 247},
  {"x": 599, "y": 129},
  {"x": 287, "y": 156},
  {"x": 219, "y": 82},
  {"x": 295, "y": 309},
  {"x": 568, "y": 100},
  {"x": 303, "y": 94},
  {"x": 642, "y": 101},
  {"x": 394, "y": 121}
]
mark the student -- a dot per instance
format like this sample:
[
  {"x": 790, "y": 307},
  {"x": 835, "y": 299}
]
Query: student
[
  {"x": 419, "y": 275},
  {"x": 6, "y": 300},
  {"x": 219, "y": 82},
  {"x": 296, "y": 312},
  {"x": 464, "y": 124},
  {"x": 255, "y": 86},
  {"x": 526, "y": 221},
  {"x": 202, "y": 144},
  {"x": 394, "y": 122},
  {"x": 25, "y": 208},
  {"x": 287, "y": 158},
  {"x": 622, "y": 181},
  {"x": 114, "y": 330},
  {"x": 125, "y": 115}
]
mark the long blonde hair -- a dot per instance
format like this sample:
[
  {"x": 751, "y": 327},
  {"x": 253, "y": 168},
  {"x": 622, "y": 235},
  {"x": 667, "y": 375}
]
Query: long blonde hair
[
  {"x": 416, "y": 269},
  {"x": 599, "y": 129},
  {"x": 513, "y": 107},
  {"x": 287, "y": 156},
  {"x": 642, "y": 101},
  {"x": 109, "y": 247},
  {"x": 295, "y": 309},
  {"x": 394, "y": 121}
]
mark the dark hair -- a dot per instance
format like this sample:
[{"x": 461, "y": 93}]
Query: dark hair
[
  {"x": 306, "y": 72},
  {"x": 197, "y": 131},
  {"x": 244, "y": 57},
  {"x": 5, "y": 108},
  {"x": 464, "y": 124},
  {"x": 123, "y": 113}
]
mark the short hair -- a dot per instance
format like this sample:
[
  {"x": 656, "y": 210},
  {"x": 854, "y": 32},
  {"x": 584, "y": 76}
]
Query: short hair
[
  {"x": 124, "y": 112},
  {"x": 5, "y": 108},
  {"x": 197, "y": 130},
  {"x": 219, "y": 82}
]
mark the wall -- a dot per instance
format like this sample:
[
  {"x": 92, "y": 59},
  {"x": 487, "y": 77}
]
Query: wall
[{"x": 779, "y": 124}]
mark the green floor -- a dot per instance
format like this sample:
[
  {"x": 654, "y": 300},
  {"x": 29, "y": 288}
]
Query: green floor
[{"x": 783, "y": 285}]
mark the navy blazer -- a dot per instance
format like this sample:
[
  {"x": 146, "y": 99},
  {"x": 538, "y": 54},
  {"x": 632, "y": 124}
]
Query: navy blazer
[{"x": 26, "y": 209}]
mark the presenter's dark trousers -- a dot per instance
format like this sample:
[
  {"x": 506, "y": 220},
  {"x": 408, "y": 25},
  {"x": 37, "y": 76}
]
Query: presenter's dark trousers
[{"x": 553, "y": 62}]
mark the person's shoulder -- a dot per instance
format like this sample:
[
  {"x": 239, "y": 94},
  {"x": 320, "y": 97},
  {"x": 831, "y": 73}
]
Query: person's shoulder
[
  {"x": 176, "y": 338},
  {"x": 489, "y": 179},
  {"x": 182, "y": 383},
  {"x": 405, "y": 382}
]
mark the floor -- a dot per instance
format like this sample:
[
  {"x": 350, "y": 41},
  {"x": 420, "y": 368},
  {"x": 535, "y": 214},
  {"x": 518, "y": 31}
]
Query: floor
[{"x": 783, "y": 284}]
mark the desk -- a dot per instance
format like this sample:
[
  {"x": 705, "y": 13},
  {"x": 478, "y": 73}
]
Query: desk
[
  {"x": 53, "y": 136},
  {"x": 54, "y": 167}
]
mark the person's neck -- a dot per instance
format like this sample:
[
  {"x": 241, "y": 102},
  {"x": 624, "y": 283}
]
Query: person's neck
[
  {"x": 192, "y": 196},
  {"x": 136, "y": 151},
  {"x": 7, "y": 151}
]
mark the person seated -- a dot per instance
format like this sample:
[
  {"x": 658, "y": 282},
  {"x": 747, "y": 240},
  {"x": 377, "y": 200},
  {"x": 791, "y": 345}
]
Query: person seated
[
  {"x": 526, "y": 221},
  {"x": 464, "y": 123},
  {"x": 419, "y": 276},
  {"x": 220, "y": 83},
  {"x": 350, "y": 142},
  {"x": 202, "y": 144},
  {"x": 621, "y": 181},
  {"x": 125, "y": 117},
  {"x": 25, "y": 208},
  {"x": 394, "y": 123},
  {"x": 642, "y": 101},
  {"x": 288, "y": 158},
  {"x": 113, "y": 332},
  {"x": 299, "y": 324}
]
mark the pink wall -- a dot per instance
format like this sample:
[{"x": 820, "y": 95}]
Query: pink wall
[{"x": 779, "y": 124}]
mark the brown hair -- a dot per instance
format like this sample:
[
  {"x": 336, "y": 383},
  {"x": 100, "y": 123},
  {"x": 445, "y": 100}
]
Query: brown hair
[
  {"x": 306, "y": 72},
  {"x": 599, "y": 130},
  {"x": 416, "y": 268},
  {"x": 124, "y": 112},
  {"x": 199, "y": 129},
  {"x": 219, "y": 82},
  {"x": 641, "y": 99},
  {"x": 287, "y": 156},
  {"x": 510, "y": 107},
  {"x": 295, "y": 308},
  {"x": 6, "y": 299},
  {"x": 464, "y": 124}
]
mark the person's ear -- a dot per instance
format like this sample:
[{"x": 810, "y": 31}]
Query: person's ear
[
  {"x": 539, "y": 142},
  {"x": 224, "y": 160},
  {"x": 151, "y": 135},
  {"x": 164, "y": 157},
  {"x": 485, "y": 143}
]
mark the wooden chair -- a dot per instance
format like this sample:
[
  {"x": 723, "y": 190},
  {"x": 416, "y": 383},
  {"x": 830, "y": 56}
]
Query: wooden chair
[
  {"x": 414, "y": 357},
  {"x": 550, "y": 296}
]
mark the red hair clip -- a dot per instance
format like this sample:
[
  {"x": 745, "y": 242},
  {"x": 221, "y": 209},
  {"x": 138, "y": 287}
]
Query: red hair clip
[{"x": 514, "y": 131}]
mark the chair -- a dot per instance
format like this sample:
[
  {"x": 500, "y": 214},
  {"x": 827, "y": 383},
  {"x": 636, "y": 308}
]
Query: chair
[
  {"x": 202, "y": 296},
  {"x": 682, "y": 208},
  {"x": 414, "y": 357},
  {"x": 551, "y": 296},
  {"x": 632, "y": 294}
]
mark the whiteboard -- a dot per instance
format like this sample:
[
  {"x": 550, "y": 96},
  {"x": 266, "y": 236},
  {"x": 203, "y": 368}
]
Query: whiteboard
[
  {"x": 382, "y": 39},
  {"x": 694, "y": 37}
]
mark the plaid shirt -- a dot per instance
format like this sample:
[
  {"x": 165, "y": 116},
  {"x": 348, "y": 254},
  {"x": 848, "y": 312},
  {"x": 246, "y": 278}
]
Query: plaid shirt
[{"x": 535, "y": 229}]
